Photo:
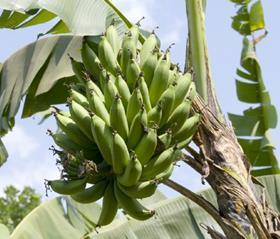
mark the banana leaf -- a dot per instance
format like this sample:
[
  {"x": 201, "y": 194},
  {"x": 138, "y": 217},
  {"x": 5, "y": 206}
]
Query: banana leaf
[
  {"x": 4, "y": 232},
  {"x": 87, "y": 17},
  {"x": 253, "y": 127},
  {"x": 249, "y": 17},
  {"x": 175, "y": 218}
]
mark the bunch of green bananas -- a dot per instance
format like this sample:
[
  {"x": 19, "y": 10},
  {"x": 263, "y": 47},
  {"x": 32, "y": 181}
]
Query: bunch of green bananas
[{"x": 129, "y": 117}]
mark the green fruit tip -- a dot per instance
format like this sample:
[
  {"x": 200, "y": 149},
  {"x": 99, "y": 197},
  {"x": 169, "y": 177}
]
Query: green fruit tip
[
  {"x": 69, "y": 100},
  {"x": 69, "y": 86},
  {"x": 154, "y": 30},
  {"x": 169, "y": 131},
  {"x": 138, "y": 23},
  {"x": 155, "y": 127},
  {"x": 146, "y": 130},
  {"x": 70, "y": 57},
  {"x": 101, "y": 66},
  {"x": 169, "y": 47},
  {"x": 55, "y": 113},
  {"x": 159, "y": 105},
  {"x": 117, "y": 97},
  {"x": 142, "y": 107},
  {"x": 155, "y": 50},
  {"x": 132, "y": 153},
  {"x": 175, "y": 146},
  {"x": 49, "y": 132},
  {"x": 108, "y": 76},
  {"x": 119, "y": 72},
  {"x": 113, "y": 22},
  {"x": 114, "y": 132},
  {"x": 141, "y": 74},
  {"x": 91, "y": 113}
]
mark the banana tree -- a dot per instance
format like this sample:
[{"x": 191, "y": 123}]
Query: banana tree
[{"x": 241, "y": 212}]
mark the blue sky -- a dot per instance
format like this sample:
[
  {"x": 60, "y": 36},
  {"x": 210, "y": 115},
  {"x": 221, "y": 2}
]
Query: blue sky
[{"x": 30, "y": 160}]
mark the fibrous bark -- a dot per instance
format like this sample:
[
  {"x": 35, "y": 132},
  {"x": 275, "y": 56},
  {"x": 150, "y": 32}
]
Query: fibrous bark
[{"x": 221, "y": 161}]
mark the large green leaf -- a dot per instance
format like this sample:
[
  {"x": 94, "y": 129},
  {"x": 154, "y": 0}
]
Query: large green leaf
[
  {"x": 80, "y": 17},
  {"x": 175, "y": 218},
  {"x": 41, "y": 69},
  {"x": 57, "y": 218},
  {"x": 4, "y": 232},
  {"x": 252, "y": 128}
]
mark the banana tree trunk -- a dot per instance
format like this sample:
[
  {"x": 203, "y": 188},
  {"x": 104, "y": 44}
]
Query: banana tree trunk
[{"x": 221, "y": 162}]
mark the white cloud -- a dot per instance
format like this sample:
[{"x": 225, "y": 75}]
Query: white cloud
[
  {"x": 29, "y": 162},
  {"x": 135, "y": 10},
  {"x": 20, "y": 142}
]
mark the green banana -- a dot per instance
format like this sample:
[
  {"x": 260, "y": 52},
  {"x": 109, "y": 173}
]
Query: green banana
[
  {"x": 187, "y": 130},
  {"x": 148, "y": 67},
  {"x": 131, "y": 206},
  {"x": 140, "y": 190},
  {"x": 64, "y": 142},
  {"x": 173, "y": 75},
  {"x": 120, "y": 154},
  {"x": 67, "y": 187},
  {"x": 179, "y": 116},
  {"x": 160, "y": 81},
  {"x": 167, "y": 101},
  {"x": 184, "y": 143},
  {"x": 110, "y": 92},
  {"x": 165, "y": 139},
  {"x": 161, "y": 177},
  {"x": 98, "y": 107},
  {"x": 192, "y": 91},
  {"x": 159, "y": 164},
  {"x": 129, "y": 49},
  {"x": 134, "y": 105},
  {"x": 103, "y": 78},
  {"x": 138, "y": 125},
  {"x": 123, "y": 90},
  {"x": 118, "y": 119},
  {"x": 107, "y": 56},
  {"x": 154, "y": 115},
  {"x": 113, "y": 38},
  {"x": 78, "y": 68},
  {"x": 181, "y": 89},
  {"x": 146, "y": 146},
  {"x": 147, "y": 48},
  {"x": 82, "y": 118},
  {"x": 132, "y": 172},
  {"x": 91, "y": 194},
  {"x": 103, "y": 137},
  {"x": 92, "y": 87},
  {"x": 144, "y": 92},
  {"x": 90, "y": 60},
  {"x": 72, "y": 130},
  {"x": 109, "y": 206},
  {"x": 79, "y": 98},
  {"x": 134, "y": 31},
  {"x": 132, "y": 73}
]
